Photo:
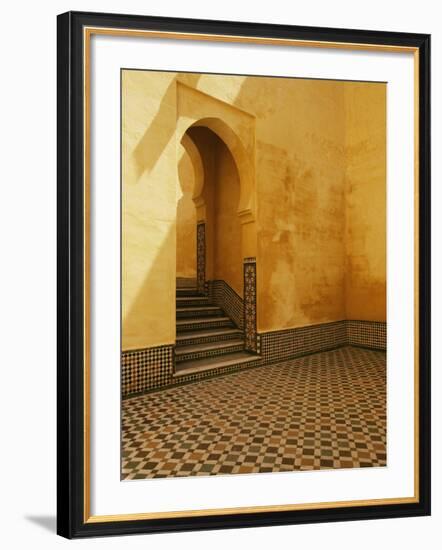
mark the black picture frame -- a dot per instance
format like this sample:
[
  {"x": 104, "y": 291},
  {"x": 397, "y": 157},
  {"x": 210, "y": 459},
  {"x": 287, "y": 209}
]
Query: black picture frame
[{"x": 71, "y": 520}]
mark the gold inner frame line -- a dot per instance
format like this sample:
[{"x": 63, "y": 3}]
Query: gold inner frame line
[{"x": 87, "y": 33}]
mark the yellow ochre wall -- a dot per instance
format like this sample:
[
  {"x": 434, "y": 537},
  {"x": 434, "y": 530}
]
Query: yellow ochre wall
[
  {"x": 315, "y": 161},
  {"x": 300, "y": 177},
  {"x": 149, "y": 202},
  {"x": 185, "y": 219},
  {"x": 228, "y": 250},
  {"x": 365, "y": 292}
]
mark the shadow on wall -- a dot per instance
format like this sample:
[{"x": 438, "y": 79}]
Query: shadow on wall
[
  {"x": 139, "y": 318},
  {"x": 155, "y": 139},
  {"x": 310, "y": 164},
  {"x": 139, "y": 314},
  {"x": 185, "y": 218},
  {"x": 141, "y": 322},
  {"x": 223, "y": 185}
]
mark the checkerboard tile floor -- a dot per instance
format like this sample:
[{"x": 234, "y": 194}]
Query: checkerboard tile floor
[{"x": 326, "y": 410}]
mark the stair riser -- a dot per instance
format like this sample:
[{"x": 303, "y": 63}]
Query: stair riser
[
  {"x": 186, "y": 282},
  {"x": 208, "y": 339},
  {"x": 208, "y": 353},
  {"x": 216, "y": 371},
  {"x": 195, "y": 314},
  {"x": 206, "y": 325},
  {"x": 192, "y": 302},
  {"x": 190, "y": 293}
]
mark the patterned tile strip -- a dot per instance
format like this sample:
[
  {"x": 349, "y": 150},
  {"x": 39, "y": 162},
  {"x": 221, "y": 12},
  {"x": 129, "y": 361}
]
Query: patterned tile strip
[
  {"x": 201, "y": 256},
  {"x": 369, "y": 334},
  {"x": 250, "y": 330},
  {"x": 145, "y": 369}
]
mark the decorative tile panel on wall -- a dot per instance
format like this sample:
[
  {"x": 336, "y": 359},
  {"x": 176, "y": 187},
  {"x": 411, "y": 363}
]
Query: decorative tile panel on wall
[
  {"x": 295, "y": 342},
  {"x": 223, "y": 295},
  {"x": 146, "y": 369},
  {"x": 201, "y": 257},
  {"x": 283, "y": 344},
  {"x": 250, "y": 331},
  {"x": 368, "y": 334}
]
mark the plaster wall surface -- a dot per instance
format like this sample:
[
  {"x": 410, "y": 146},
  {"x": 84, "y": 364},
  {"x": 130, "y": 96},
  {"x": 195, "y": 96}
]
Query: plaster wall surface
[
  {"x": 228, "y": 249},
  {"x": 185, "y": 218},
  {"x": 149, "y": 199},
  {"x": 365, "y": 291},
  {"x": 300, "y": 197},
  {"x": 313, "y": 143}
]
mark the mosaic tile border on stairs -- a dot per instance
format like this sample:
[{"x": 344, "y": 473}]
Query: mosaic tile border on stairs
[{"x": 223, "y": 295}]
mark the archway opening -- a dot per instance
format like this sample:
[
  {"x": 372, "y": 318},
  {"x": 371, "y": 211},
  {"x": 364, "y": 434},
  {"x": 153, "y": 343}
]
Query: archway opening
[
  {"x": 218, "y": 316},
  {"x": 217, "y": 204},
  {"x": 185, "y": 223}
]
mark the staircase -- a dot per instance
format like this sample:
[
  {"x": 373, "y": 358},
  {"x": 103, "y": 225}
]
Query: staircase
[{"x": 206, "y": 338}]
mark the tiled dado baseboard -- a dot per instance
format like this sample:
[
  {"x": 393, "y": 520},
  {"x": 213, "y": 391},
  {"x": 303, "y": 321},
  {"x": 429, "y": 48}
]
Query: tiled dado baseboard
[
  {"x": 153, "y": 368},
  {"x": 286, "y": 344},
  {"x": 367, "y": 334},
  {"x": 145, "y": 369},
  {"x": 223, "y": 295}
]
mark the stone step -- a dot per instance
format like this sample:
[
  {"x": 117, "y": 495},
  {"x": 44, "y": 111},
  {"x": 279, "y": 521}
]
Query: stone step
[
  {"x": 203, "y": 323},
  {"x": 201, "y": 336},
  {"x": 185, "y": 282},
  {"x": 187, "y": 292},
  {"x": 208, "y": 349},
  {"x": 192, "y": 301},
  {"x": 211, "y": 365},
  {"x": 198, "y": 311}
]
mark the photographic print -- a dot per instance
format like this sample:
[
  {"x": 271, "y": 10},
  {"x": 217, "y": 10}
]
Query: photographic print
[
  {"x": 243, "y": 274},
  {"x": 253, "y": 274}
]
